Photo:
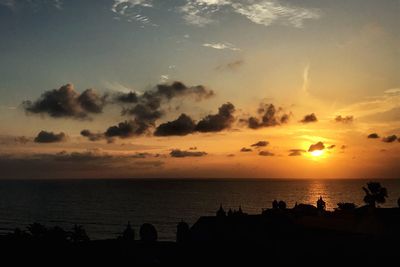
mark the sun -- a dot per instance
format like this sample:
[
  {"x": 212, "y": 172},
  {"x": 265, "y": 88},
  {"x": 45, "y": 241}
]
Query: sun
[{"x": 317, "y": 153}]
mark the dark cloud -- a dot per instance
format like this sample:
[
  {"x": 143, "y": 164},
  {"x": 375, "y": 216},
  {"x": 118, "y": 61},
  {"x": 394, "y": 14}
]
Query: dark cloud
[
  {"x": 230, "y": 155},
  {"x": 245, "y": 149},
  {"x": 296, "y": 152},
  {"x": 309, "y": 118},
  {"x": 345, "y": 119},
  {"x": 92, "y": 136},
  {"x": 65, "y": 102},
  {"x": 373, "y": 136},
  {"x": 212, "y": 123},
  {"x": 130, "y": 97},
  {"x": 331, "y": 147},
  {"x": 141, "y": 155},
  {"x": 81, "y": 156},
  {"x": 217, "y": 122},
  {"x": 343, "y": 147},
  {"x": 50, "y": 137},
  {"x": 389, "y": 139},
  {"x": 177, "y": 153},
  {"x": 266, "y": 153},
  {"x": 127, "y": 129},
  {"x": 260, "y": 144},
  {"x": 233, "y": 65},
  {"x": 147, "y": 108},
  {"x": 182, "y": 126},
  {"x": 270, "y": 116},
  {"x": 193, "y": 148},
  {"x": 317, "y": 146}
]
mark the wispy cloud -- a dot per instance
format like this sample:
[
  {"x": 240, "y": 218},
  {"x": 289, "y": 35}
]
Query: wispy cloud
[
  {"x": 222, "y": 46},
  {"x": 15, "y": 4},
  {"x": 267, "y": 12},
  {"x": 378, "y": 108},
  {"x": 130, "y": 10},
  {"x": 264, "y": 12}
]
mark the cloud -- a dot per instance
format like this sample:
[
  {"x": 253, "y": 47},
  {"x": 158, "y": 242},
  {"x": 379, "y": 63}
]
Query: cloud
[
  {"x": 32, "y": 4},
  {"x": 270, "y": 116},
  {"x": 50, "y": 137},
  {"x": 221, "y": 46},
  {"x": 389, "y": 139},
  {"x": 331, "y": 147},
  {"x": 263, "y": 12},
  {"x": 381, "y": 108},
  {"x": 199, "y": 12},
  {"x": 217, "y": 122},
  {"x": 317, "y": 146},
  {"x": 266, "y": 153},
  {"x": 231, "y": 66},
  {"x": 128, "y": 129},
  {"x": 346, "y": 119},
  {"x": 92, "y": 136},
  {"x": 93, "y": 163},
  {"x": 296, "y": 152},
  {"x": 143, "y": 155},
  {"x": 129, "y": 97},
  {"x": 177, "y": 153},
  {"x": 373, "y": 136},
  {"x": 266, "y": 12},
  {"x": 309, "y": 118},
  {"x": 130, "y": 10},
  {"x": 148, "y": 107},
  {"x": 65, "y": 102},
  {"x": 260, "y": 144},
  {"x": 245, "y": 149},
  {"x": 182, "y": 126},
  {"x": 22, "y": 140}
]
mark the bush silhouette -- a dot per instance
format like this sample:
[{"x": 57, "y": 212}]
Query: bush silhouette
[{"x": 78, "y": 234}]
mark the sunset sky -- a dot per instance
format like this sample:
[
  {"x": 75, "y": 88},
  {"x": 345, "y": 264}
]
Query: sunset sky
[{"x": 199, "y": 89}]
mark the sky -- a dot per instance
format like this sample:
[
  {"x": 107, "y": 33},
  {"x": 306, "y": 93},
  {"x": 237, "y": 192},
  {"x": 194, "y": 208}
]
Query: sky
[{"x": 199, "y": 89}]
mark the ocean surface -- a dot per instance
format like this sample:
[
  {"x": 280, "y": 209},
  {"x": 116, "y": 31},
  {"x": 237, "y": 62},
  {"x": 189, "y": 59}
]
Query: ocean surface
[{"x": 104, "y": 207}]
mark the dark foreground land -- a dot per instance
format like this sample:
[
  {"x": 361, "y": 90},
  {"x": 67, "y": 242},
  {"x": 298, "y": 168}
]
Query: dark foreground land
[{"x": 302, "y": 235}]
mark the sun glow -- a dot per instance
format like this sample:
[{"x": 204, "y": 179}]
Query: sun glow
[{"x": 317, "y": 153}]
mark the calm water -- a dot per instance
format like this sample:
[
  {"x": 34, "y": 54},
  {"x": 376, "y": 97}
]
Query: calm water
[{"x": 105, "y": 206}]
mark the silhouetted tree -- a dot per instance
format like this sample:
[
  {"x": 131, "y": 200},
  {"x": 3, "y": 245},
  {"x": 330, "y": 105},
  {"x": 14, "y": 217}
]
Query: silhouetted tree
[
  {"x": 346, "y": 206},
  {"x": 182, "y": 232},
  {"x": 221, "y": 212},
  {"x": 375, "y": 193},
  {"x": 128, "y": 234},
  {"x": 19, "y": 234},
  {"x": 56, "y": 234},
  {"x": 230, "y": 212},
  {"x": 37, "y": 230},
  {"x": 282, "y": 205},
  {"x": 78, "y": 234},
  {"x": 275, "y": 204},
  {"x": 398, "y": 202},
  {"x": 148, "y": 233}
]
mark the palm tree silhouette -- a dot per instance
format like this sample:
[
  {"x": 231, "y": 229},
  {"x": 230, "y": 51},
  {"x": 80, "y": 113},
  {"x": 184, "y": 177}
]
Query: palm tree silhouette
[{"x": 374, "y": 193}]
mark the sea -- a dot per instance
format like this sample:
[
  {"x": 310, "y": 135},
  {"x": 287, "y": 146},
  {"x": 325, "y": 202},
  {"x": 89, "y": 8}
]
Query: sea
[{"x": 104, "y": 207}]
